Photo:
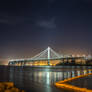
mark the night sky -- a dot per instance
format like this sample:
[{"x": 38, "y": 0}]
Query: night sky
[{"x": 30, "y": 26}]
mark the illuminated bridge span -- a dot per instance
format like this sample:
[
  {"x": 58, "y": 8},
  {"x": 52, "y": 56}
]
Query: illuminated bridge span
[{"x": 47, "y": 57}]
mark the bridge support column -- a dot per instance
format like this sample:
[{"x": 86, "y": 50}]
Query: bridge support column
[
  {"x": 21, "y": 63},
  {"x": 62, "y": 61},
  {"x": 48, "y": 62},
  {"x": 25, "y": 63},
  {"x": 48, "y": 55}
]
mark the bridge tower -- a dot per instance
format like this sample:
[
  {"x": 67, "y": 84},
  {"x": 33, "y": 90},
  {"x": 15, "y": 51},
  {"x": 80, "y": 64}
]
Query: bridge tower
[{"x": 48, "y": 55}]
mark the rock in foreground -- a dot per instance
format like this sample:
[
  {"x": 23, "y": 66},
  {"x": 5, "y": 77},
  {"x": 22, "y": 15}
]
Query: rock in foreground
[{"x": 9, "y": 87}]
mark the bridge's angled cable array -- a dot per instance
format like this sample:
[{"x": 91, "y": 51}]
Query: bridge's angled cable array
[
  {"x": 47, "y": 54},
  {"x": 44, "y": 55}
]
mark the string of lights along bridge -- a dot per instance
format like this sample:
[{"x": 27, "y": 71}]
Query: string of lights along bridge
[{"x": 49, "y": 57}]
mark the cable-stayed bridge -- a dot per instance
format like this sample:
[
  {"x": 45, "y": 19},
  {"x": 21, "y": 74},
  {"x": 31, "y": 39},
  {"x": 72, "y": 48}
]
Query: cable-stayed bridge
[{"x": 47, "y": 56}]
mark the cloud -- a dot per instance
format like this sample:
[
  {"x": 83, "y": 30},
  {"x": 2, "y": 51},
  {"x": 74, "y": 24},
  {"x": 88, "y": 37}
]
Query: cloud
[
  {"x": 49, "y": 24},
  {"x": 4, "y": 18},
  {"x": 4, "y": 21},
  {"x": 11, "y": 19},
  {"x": 7, "y": 20}
]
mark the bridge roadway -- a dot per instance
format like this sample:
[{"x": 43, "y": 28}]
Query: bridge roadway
[
  {"x": 24, "y": 61},
  {"x": 47, "y": 55}
]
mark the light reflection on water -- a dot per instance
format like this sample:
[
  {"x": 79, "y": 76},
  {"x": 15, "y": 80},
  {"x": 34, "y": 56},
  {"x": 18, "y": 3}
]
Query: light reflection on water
[
  {"x": 35, "y": 78},
  {"x": 44, "y": 76}
]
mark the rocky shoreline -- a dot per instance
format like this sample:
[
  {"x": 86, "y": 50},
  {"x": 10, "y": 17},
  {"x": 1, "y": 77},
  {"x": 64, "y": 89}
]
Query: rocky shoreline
[{"x": 9, "y": 87}]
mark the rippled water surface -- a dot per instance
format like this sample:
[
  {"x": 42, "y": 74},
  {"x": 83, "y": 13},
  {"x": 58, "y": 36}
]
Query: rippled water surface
[{"x": 42, "y": 79}]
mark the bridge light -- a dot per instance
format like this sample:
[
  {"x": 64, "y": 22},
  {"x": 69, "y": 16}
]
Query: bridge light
[
  {"x": 84, "y": 55},
  {"x": 73, "y": 55},
  {"x": 78, "y": 55}
]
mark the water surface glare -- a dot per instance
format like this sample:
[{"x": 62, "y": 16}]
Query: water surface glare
[{"x": 42, "y": 79}]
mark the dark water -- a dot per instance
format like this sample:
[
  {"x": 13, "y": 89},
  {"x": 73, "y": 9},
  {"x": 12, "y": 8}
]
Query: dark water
[
  {"x": 42, "y": 79},
  {"x": 85, "y": 82}
]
